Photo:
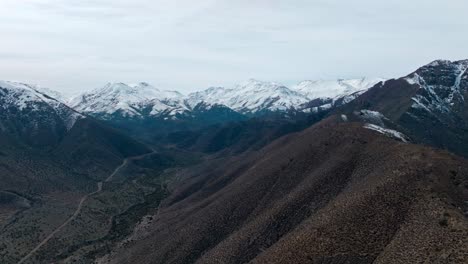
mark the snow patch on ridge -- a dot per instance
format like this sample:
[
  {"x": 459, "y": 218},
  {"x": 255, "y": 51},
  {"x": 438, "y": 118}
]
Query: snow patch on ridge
[
  {"x": 344, "y": 118},
  {"x": 388, "y": 132},
  {"x": 373, "y": 117},
  {"x": 414, "y": 79}
]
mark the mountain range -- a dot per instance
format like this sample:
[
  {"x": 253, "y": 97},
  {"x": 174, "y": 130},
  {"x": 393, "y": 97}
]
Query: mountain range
[
  {"x": 345, "y": 171},
  {"x": 249, "y": 98},
  {"x": 146, "y": 111}
]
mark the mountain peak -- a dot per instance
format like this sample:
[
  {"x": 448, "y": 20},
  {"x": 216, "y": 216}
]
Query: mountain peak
[
  {"x": 253, "y": 95},
  {"x": 442, "y": 85},
  {"x": 28, "y": 93},
  {"x": 439, "y": 63},
  {"x": 126, "y": 99},
  {"x": 250, "y": 96},
  {"x": 33, "y": 100}
]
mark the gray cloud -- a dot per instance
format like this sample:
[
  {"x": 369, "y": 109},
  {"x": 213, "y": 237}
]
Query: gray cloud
[{"x": 75, "y": 45}]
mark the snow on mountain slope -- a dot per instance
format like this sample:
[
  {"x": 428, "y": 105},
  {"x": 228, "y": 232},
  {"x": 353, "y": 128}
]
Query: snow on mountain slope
[
  {"x": 251, "y": 96},
  {"x": 443, "y": 85},
  {"x": 210, "y": 95},
  {"x": 255, "y": 96},
  {"x": 52, "y": 94},
  {"x": 388, "y": 132},
  {"x": 29, "y": 98},
  {"x": 429, "y": 105},
  {"x": 129, "y": 101},
  {"x": 334, "y": 88}
]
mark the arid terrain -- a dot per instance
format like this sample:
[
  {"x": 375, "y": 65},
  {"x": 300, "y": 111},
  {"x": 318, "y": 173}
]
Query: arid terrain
[
  {"x": 377, "y": 175},
  {"x": 335, "y": 193}
]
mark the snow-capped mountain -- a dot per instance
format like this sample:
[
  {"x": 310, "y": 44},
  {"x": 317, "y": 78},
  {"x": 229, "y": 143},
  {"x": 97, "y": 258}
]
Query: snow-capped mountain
[
  {"x": 52, "y": 94},
  {"x": 30, "y": 117},
  {"x": 251, "y": 97},
  {"x": 27, "y": 99},
  {"x": 129, "y": 101},
  {"x": 326, "y": 94},
  {"x": 443, "y": 86},
  {"x": 428, "y": 105},
  {"x": 334, "y": 88}
]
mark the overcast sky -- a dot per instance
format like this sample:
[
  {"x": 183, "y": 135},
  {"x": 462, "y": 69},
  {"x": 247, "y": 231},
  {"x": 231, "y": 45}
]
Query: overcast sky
[{"x": 186, "y": 45}]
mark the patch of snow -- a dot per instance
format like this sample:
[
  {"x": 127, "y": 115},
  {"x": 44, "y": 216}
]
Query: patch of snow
[
  {"x": 344, "y": 118},
  {"x": 325, "y": 106},
  {"x": 388, "y": 132},
  {"x": 414, "y": 79},
  {"x": 417, "y": 103},
  {"x": 373, "y": 117},
  {"x": 349, "y": 98}
]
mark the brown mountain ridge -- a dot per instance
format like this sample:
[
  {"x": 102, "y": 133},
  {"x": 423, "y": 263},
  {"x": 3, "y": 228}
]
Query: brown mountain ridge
[{"x": 334, "y": 193}]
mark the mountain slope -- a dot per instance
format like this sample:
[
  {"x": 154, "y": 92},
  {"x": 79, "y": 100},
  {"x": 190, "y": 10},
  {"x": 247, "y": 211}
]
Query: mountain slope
[
  {"x": 335, "y": 193},
  {"x": 39, "y": 131},
  {"x": 428, "y": 104},
  {"x": 233, "y": 138}
]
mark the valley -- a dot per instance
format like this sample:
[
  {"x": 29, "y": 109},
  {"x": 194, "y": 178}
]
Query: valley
[{"x": 345, "y": 171}]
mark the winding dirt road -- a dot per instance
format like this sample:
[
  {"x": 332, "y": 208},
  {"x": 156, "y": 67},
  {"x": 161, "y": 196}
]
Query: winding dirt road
[{"x": 80, "y": 205}]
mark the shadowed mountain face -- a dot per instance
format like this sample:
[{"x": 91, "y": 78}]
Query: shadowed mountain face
[
  {"x": 236, "y": 137},
  {"x": 47, "y": 146},
  {"x": 96, "y": 149},
  {"x": 334, "y": 193},
  {"x": 155, "y": 127},
  {"x": 429, "y": 105}
]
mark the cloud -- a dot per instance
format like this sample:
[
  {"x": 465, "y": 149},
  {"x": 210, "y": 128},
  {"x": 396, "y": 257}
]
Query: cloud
[{"x": 77, "y": 45}]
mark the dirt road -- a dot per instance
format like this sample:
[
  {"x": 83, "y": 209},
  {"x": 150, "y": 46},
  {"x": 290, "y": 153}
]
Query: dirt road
[{"x": 80, "y": 206}]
